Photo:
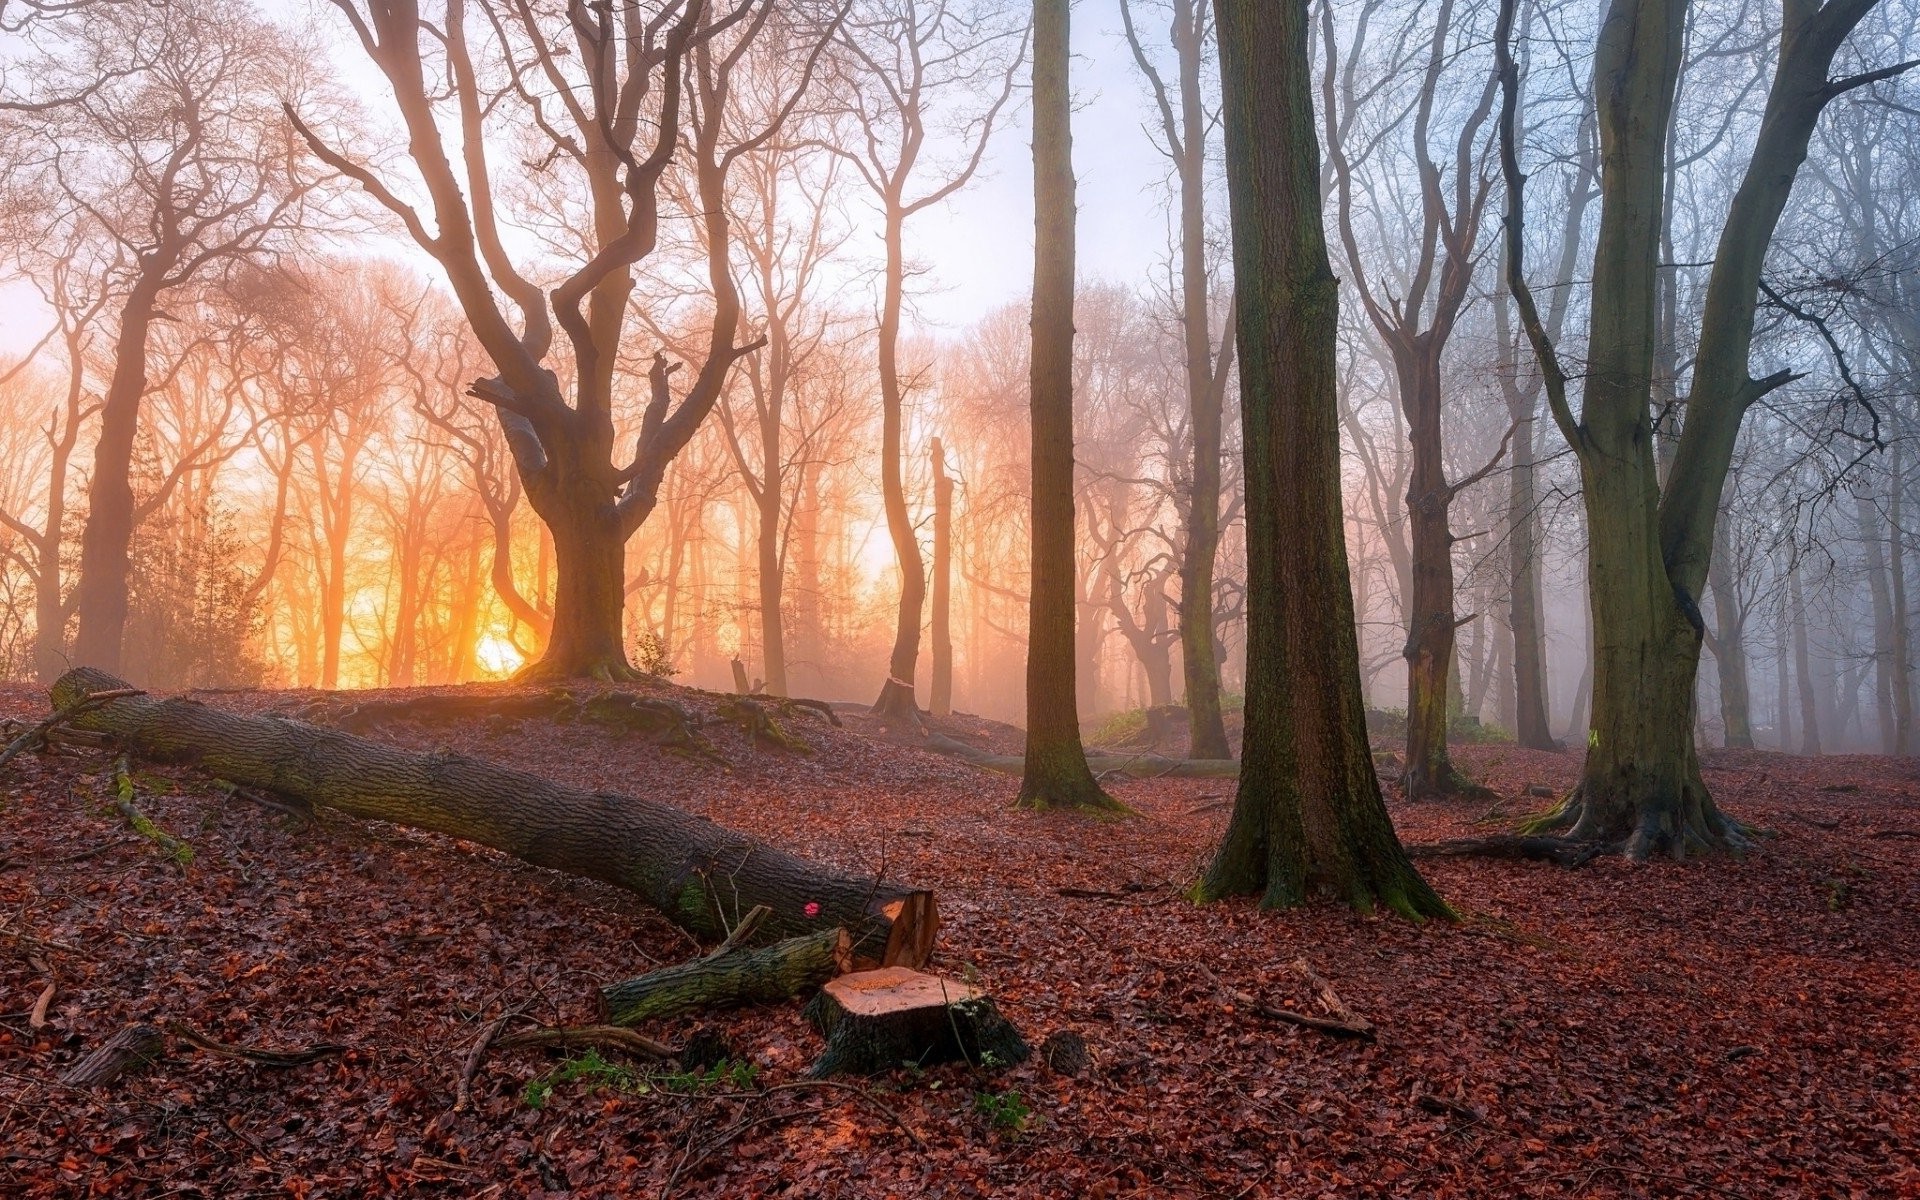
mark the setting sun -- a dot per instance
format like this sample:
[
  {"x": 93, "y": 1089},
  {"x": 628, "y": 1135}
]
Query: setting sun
[{"x": 497, "y": 656}]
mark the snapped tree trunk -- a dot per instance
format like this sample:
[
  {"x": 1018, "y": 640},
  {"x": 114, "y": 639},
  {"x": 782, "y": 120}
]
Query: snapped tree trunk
[
  {"x": 701, "y": 876},
  {"x": 1056, "y": 774},
  {"x": 1307, "y": 818}
]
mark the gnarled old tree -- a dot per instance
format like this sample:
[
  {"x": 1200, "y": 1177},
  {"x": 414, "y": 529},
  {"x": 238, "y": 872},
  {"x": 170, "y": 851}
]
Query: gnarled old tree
[
  {"x": 158, "y": 134},
  {"x": 1413, "y": 312},
  {"x": 916, "y": 71},
  {"x": 611, "y": 93},
  {"x": 1650, "y": 542},
  {"x": 1308, "y": 817}
]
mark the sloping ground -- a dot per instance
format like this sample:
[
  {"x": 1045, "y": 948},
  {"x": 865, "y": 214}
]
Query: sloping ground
[{"x": 1729, "y": 1029}]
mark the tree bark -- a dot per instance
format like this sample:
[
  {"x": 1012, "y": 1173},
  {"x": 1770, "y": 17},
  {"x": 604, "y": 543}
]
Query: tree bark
[
  {"x": 701, "y": 876},
  {"x": 897, "y": 694},
  {"x": 1803, "y": 666},
  {"x": 1730, "y": 648},
  {"x": 941, "y": 700},
  {"x": 763, "y": 976},
  {"x": 1056, "y": 774},
  {"x": 1308, "y": 816},
  {"x": 101, "y": 597}
]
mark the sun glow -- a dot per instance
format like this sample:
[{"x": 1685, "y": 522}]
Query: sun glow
[{"x": 497, "y": 656}]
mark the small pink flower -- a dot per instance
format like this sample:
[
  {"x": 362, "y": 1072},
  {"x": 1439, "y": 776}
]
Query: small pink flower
[{"x": 813, "y": 908}]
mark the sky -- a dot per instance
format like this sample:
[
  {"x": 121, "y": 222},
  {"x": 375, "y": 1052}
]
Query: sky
[{"x": 979, "y": 245}]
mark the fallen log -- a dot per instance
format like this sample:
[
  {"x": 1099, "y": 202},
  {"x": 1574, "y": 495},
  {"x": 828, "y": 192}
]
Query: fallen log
[
  {"x": 877, "y": 1020},
  {"x": 1136, "y": 766},
  {"x": 699, "y": 874},
  {"x": 777, "y": 972}
]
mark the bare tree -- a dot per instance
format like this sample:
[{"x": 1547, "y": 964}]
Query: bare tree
[
  {"x": 1184, "y": 119},
  {"x": 930, "y": 81},
  {"x": 169, "y": 144},
  {"x": 608, "y": 93}
]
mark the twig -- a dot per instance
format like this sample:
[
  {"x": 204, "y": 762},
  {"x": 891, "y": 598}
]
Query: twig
[
  {"x": 586, "y": 1035},
  {"x": 1330, "y": 999},
  {"x": 37, "y": 1019},
  {"x": 745, "y": 929},
  {"x": 80, "y": 707},
  {"x": 261, "y": 1058},
  {"x": 1879, "y": 834},
  {"x": 463, "y": 1095},
  {"x": 1337, "y": 1028}
]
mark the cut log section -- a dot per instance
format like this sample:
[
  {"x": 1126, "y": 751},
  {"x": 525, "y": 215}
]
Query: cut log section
[
  {"x": 877, "y": 1020},
  {"x": 777, "y": 972},
  {"x": 699, "y": 874}
]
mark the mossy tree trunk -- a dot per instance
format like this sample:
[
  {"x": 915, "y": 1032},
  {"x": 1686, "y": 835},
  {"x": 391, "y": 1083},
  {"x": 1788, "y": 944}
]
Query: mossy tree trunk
[
  {"x": 1056, "y": 773},
  {"x": 1650, "y": 540},
  {"x": 1308, "y": 817}
]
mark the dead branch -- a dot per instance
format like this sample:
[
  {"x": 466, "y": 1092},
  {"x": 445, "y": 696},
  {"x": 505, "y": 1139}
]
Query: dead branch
[
  {"x": 463, "y": 1095},
  {"x": 257, "y": 1056},
  {"x": 37, "y": 734},
  {"x": 611, "y": 1036}
]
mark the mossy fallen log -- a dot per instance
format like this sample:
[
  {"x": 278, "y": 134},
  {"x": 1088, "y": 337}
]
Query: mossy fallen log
[
  {"x": 760, "y": 976},
  {"x": 700, "y": 875}
]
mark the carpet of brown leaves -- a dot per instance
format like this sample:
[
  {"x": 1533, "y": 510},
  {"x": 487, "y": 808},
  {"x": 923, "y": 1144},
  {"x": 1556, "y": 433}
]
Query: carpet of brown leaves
[{"x": 1746, "y": 1029}]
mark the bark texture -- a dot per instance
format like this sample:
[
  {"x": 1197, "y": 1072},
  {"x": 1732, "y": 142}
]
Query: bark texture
[
  {"x": 763, "y": 976},
  {"x": 700, "y": 875},
  {"x": 1056, "y": 773},
  {"x": 1308, "y": 818}
]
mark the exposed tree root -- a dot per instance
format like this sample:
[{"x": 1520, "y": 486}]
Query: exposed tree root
[
  {"x": 123, "y": 800},
  {"x": 1645, "y": 822},
  {"x": 758, "y": 723}
]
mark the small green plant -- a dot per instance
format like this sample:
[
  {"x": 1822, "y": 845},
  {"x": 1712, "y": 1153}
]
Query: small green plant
[
  {"x": 737, "y": 1074},
  {"x": 650, "y": 656},
  {"x": 1006, "y": 1110},
  {"x": 588, "y": 1068}
]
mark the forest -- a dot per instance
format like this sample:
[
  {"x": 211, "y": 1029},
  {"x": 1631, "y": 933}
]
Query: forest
[{"x": 896, "y": 598}]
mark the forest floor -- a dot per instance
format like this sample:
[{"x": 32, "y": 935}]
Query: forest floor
[{"x": 1745, "y": 1029}]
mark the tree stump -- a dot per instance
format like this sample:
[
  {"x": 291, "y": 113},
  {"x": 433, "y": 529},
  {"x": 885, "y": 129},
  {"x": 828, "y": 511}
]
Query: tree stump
[
  {"x": 877, "y": 1020},
  {"x": 133, "y": 1048}
]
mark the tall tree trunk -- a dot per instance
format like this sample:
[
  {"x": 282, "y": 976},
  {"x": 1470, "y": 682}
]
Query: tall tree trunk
[
  {"x": 1431, "y": 626},
  {"x": 1532, "y": 726},
  {"x": 1307, "y": 817},
  {"x": 1056, "y": 773},
  {"x": 773, "y": 634},
  {"x": 1803, "y": 666},
  {"x": 1729, "y": 646},
  {"x": 1206, "y": 394},
  {"x": 1867, "y": 518},
  {"x": 586, "y": 638},
  {"x": 896, "y": 695},
  {"x": 942, "y": 683},
  {"x": 1651, "y": 531},
  {"x": 1901, "y": 651},
  {"x": 101, "y": 600}
]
